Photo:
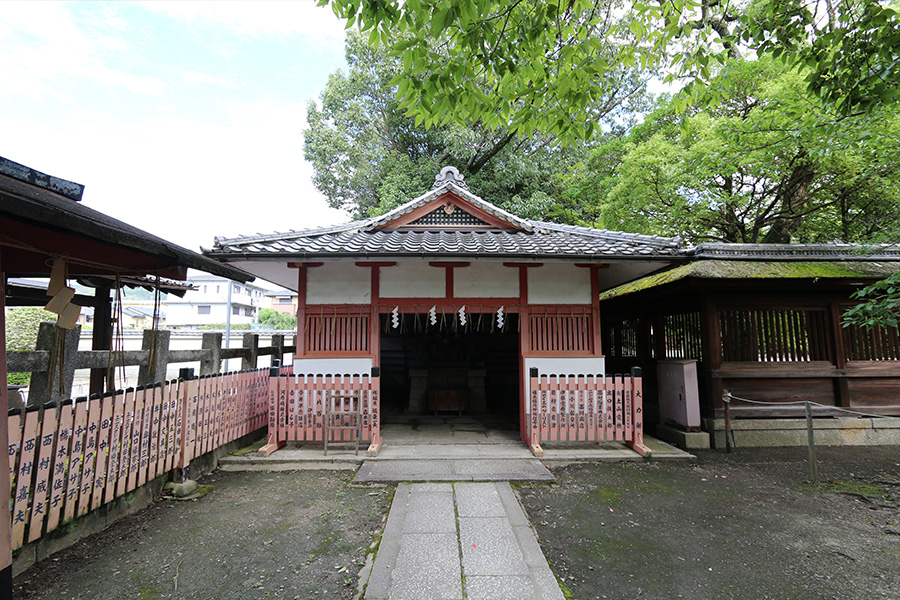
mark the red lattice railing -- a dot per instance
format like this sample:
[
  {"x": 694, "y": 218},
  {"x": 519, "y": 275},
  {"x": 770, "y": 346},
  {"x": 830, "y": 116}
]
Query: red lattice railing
[
  {"x": 586, "y": 408},
  {"x": 297, "y": 407}
]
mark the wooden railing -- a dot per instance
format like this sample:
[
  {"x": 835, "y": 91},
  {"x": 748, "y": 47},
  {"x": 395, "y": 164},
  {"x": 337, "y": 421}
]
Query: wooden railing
[
  {"x": 47, "y": 364},
  {"x": 586, "y": 408},
  {"x": 69, "y": 459},
  {"x": 297, "y": 409}
]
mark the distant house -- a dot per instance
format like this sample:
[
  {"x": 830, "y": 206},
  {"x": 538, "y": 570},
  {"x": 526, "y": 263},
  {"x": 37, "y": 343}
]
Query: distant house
[
  {"x": 209, "y": 303},
  {"x": 283, "y": 301},
  {"x": 141, "y": 317}
]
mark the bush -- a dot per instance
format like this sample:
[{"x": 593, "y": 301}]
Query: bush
[
  {"x": 22, "y": 325},
  {"x": 221, "y": 327}
]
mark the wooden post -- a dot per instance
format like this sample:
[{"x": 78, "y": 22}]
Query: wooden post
[
  {"x": 101, "y": 338},
  {"x": 251, "y": 347},
  {"x": 726, "y": 401},
  {"x": 6, "y": 534},
  {"x": 811, "y": 441},
  {"x": 42, "y": 389},
  {"x": 278, "y": 348},
  {"x": 273, "y": 442},
  {"x": 842, "y": 385},
  {"x": 158, "y": 359},
  {"x": 213, "y": 361}
]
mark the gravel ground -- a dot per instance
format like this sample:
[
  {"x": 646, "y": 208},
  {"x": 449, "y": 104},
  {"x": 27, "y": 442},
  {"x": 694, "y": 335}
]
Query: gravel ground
[
  {"x": 254, "y": 535},
  {"x": 745, "y": 525}
]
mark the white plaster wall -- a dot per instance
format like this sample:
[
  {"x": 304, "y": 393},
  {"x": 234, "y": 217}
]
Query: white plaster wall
[
  {"x": 339, "y": 283},
  {"x": 589, "y": 365},
  {"x": 486, "y": 280},
  {"x": 559, "y": 283},
  {"x": 412, "y": 279},
  {"x": 333, "y": 366}
]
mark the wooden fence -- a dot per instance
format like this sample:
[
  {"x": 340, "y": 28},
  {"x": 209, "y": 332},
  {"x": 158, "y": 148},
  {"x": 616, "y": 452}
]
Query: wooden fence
[
  {"x": 586, "y": 408},
  {"x": 69, "y": 459},
  {"x": 298, "y": 402}
]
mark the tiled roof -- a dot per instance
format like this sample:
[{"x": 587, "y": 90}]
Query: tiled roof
[
  {"x": 851, "y": 269},
  {"x": 524, "y": 238},
  {"x": 834, "y": 251}
]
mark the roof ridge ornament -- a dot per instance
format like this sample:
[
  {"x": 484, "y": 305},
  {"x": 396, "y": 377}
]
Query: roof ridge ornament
[{"x": 449, "y": 175}]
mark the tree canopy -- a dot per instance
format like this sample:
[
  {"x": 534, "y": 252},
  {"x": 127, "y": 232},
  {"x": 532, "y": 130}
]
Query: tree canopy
[
  {"x": 277, "y": 320},
  {"x": 529, "y": 65},
  {"x": 768, "y": 163},
  {"x": 369, "y": 156}
]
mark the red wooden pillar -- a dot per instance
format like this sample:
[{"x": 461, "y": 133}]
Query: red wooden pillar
[
  {"x": 524, "y": 376},
  {"x": 375, "y": 351},
  {"x": 6, "y": 541}
]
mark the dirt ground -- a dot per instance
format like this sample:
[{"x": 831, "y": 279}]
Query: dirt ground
[
  {"x": 738, "y": 526},
  {"x": 744, "y": 525},
  {"x": 254, "y": 535}
]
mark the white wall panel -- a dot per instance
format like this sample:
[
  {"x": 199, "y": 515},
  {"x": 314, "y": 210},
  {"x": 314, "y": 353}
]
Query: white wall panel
[
  {"x": 486, "y": 280},
  {"x": 412, "y": 279},
  {"x": 339, "y": 283},
  {"x": 559, "y": 283}
]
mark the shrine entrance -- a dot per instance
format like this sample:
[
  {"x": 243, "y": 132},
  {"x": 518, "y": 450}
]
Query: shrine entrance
[{"x": 441, "y": 369}]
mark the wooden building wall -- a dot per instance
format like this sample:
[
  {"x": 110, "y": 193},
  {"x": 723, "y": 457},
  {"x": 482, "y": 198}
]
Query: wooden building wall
[{"x": 771, "y": 342}]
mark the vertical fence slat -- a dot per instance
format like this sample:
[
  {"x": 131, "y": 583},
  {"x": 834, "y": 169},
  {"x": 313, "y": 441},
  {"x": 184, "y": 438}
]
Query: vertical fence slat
[
  {"x": 58, "y": 488},
  {"x": 115, "y": 445},
  {"x": 155, "y": 427},
  {"x": 137, "y": 429},
  {"x": 103, "y": 451},
  {"x": 24, "y": 476},
  {"x": 92, "y": 428},
  {"x": 42, "y": 481},
  {"x": 76, "y": 458}
]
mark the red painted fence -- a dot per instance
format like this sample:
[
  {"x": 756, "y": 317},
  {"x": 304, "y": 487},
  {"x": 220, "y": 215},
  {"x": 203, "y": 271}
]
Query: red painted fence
[
  {"x": 297, "y": 408},
  {"x": 67, "y": 460},
  {"x": 586, "y": 408}
]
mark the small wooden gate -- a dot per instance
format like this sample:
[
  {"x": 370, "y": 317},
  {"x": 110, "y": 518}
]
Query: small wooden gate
[
  {"x": 297, "y": 409},
  {"x": 585, "y": 408}
]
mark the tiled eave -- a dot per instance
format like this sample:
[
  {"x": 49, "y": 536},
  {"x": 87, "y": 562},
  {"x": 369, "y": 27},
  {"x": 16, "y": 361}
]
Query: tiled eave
[{"x": 546, "y": 242}]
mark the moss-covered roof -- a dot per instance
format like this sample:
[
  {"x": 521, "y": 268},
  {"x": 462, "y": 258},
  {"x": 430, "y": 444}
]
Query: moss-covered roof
[{"x": 729, "y": 269}]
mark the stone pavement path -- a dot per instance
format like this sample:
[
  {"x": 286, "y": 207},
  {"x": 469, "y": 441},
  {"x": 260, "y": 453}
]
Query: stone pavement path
[{"x": 447, "y": 541}]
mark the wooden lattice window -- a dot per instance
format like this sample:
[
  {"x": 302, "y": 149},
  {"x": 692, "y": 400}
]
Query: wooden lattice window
[
  {"x": 774, "y": 335},
  {"x": 339, "y": 334},
  {"x": 561, "y": 333},
  {"x": 877, "y": 343},
  {"x": 682, "y": 336},
  {"x": 449, "y": 216},
  {"x": 622, "y": 340}
]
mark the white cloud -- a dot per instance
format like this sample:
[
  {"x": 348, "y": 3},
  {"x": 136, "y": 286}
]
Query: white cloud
[{"x": 46, "y": 53}]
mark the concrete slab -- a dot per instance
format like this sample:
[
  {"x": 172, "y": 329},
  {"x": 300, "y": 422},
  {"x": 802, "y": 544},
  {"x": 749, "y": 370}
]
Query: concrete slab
[
  {"x": 479, "y": 500},
  {"x": 427, "y": 567},
  {"x": 509, "y": 587},
  {"x": 430, "y": 512},
  {"x": 395, "y": 471},
  {"x": 490, "y": 547},
  {"x": 438, "y": 533}
]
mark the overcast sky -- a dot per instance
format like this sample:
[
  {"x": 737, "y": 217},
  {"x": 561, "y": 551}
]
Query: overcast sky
[{"x": 181, "y": 118}]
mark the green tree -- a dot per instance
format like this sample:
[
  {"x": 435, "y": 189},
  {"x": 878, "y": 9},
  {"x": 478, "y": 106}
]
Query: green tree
[
  {"x": 768, "y": 163},
  {"x": 532, "y": 65},
  {"x": 277, "y": 320},
  {"x": 22, "y": 326},
  {"x": 369, "y": 156}
]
